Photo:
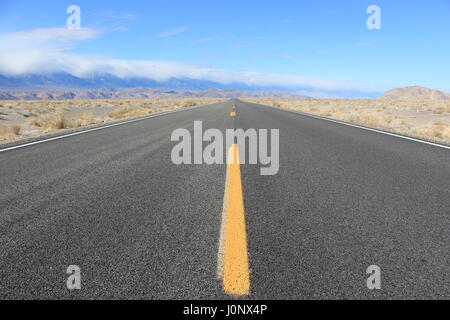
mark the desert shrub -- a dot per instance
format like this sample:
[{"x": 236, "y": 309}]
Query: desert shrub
[
  {"x": 190, "y": 103},
  {"x": 439, "y": 110},
  {"x": 5, "y": 133},
  {"x": 9, "y": 132},
  {"x": 276, "y": 104},
  {"x": 16, "y": 129},
  {"x": 51, "y": 121},
  {"x": 129, "y": 111},
  {"x": 85, "y": 119}
]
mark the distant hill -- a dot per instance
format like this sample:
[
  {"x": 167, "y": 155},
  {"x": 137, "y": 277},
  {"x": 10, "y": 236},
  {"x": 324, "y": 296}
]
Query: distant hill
[{"x": 416, "y": 93}]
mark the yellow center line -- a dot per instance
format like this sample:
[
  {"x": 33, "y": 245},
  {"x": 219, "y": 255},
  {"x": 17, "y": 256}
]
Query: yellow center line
[
  {"x": 233, "y": 114},
  {"x": 233, "y": 265}
]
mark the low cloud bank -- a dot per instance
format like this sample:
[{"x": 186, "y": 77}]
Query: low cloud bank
[{"x": 47, "y": 51}]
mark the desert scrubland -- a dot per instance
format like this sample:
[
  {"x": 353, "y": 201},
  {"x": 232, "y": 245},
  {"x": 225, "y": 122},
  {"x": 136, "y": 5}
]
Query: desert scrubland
[
  {"x": 20, "y": 119},
  {"x": 427, "y": 119}
]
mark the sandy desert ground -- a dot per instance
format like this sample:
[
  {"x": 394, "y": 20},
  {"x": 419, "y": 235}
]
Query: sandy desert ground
[
  {"x": 28, "y": 119},
  {"x": 427, "y": 119}
]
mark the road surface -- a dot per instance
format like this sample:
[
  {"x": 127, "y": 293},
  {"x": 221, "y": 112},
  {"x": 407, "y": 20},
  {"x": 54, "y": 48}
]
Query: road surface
[{"x": 139, "y": 227}]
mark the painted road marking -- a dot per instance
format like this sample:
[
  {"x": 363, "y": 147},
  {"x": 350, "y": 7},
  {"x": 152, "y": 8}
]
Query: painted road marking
[
  {"x": 233, "y": 265},
  {"x": 233, "y": 114},
  {"x": 223, "y": 231},
  {"x": 361, "y": 127}
]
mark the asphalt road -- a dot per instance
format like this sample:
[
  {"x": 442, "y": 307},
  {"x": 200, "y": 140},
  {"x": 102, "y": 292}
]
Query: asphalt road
[{"x": 139, "y": 227}]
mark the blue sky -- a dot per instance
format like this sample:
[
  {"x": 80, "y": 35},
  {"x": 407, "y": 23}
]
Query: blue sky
[{"x": 313, "y": 40}]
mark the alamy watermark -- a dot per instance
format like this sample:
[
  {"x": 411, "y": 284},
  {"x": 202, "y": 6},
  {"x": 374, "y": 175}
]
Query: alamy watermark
[
  {"x": 252, "y": 144},
  {"x": 374, "y": 20},
  {"x": 74, "y": 280},
  {"x": 374, "y": 281},
  {"x": 74, "y": 20}
]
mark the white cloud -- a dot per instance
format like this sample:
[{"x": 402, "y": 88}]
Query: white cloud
[
  {"x": 53, "y": 61},
  {"x": 51, "y": 34},
  {"x": 39, "y": 50},
  {"x": 174, "y": 32},
  {"x": 47, "y": 52}
]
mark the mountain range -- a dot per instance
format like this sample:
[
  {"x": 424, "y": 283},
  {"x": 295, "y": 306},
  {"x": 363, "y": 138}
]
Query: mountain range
[
  {"x": 138, "y": 93},
  {"x": 102, "y": 85},
  {"x": 62, "y": 80}
]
